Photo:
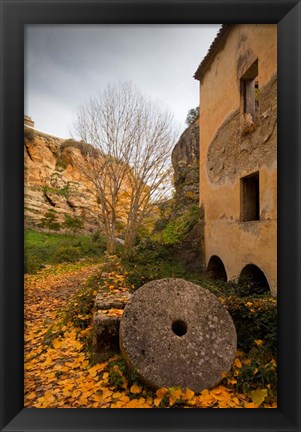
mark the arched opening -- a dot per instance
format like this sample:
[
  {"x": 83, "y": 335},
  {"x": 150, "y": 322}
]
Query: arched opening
[
  {"x": 253, "y": 280},
  {"x": 216, "y": 269}
]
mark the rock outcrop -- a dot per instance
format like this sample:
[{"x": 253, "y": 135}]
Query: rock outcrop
[
  {"x": 185, "y": 162},
  {"x": 52, "y": 180}
]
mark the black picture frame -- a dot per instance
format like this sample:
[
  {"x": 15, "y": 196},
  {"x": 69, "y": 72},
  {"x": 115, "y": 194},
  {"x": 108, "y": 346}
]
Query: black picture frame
[{"x": 14, "y": 15}]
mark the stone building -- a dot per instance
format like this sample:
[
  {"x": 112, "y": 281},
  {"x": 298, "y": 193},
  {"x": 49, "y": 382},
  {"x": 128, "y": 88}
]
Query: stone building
[
  {"x": 28, "y": 121},
  {"x": 238, "y": 154}
]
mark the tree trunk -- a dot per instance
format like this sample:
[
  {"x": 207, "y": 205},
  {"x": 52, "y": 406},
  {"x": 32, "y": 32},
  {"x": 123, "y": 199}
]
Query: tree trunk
[
  {"x": 129, "y": 243},
  {"x": 111, "y": 245}
]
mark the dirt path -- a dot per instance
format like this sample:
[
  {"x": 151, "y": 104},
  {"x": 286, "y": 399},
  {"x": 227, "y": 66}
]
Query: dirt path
[
  {"x": 50, "y": 288},
  {"x": 44, "y": 296}
]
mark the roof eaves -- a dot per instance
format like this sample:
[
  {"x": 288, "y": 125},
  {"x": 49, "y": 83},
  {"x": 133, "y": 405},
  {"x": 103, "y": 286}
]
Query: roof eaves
[{"x": 216, "y": 45}]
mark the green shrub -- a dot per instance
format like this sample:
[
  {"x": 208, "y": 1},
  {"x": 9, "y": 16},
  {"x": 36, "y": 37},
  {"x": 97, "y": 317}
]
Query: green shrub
[
  {"x": 29, "y": 134},
  {"x": 254, "y": 318},
  {"x": 64, "y": 191},
  {"x": 66, "y": 254},
  {"x": 93, "y": 249},
  {"x": 148, "y": 251},
  {"x": 33, "y": 262},
  {"x": 192, "y": 115},
  {"x": 258, "y": 371},
  {"x": 249, "y": 287},
  {"x": 96, "y": 236},
  {"x": 160, "y": 225},
  {"x": 50, "y": 221},
  {"x": 119, "y": 371},
  {"x": 73, "y": 224},
  {"x": 177, "y": 228},
  {"x": 79, "y": 308},
  {"x": 151, "y": 262},
  {"x": 61, "y": 163},
  {"x": 84, "y": 148},
  {"x": 112, "y": 264}
]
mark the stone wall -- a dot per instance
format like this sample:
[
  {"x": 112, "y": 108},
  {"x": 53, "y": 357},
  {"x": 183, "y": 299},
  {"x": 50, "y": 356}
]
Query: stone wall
[{"x": 28, "y": 121}]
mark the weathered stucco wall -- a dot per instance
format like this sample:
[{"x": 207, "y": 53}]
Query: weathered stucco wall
[{"x": 229, "y": 151}]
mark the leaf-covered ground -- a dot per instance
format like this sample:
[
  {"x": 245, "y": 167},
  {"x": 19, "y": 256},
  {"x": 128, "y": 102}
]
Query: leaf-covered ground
[{"x": 59, "y": 372}]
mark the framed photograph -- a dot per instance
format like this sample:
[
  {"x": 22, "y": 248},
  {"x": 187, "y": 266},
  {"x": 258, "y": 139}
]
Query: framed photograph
[{"x": 265, "y": 106}]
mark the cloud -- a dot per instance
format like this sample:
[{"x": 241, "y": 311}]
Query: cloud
[{"x": 66, "y": 64}]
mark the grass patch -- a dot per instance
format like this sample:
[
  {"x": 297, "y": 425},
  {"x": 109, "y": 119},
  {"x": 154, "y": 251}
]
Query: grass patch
[{"x": 42, "y": 248}]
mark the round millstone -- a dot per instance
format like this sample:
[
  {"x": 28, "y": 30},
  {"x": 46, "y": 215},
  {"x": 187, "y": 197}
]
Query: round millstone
[{"x": 176, "y": 333}]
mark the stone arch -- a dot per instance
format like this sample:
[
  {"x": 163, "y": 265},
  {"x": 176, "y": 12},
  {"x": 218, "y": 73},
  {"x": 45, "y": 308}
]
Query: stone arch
[
  {"x": 254, "y": 278},
  {"x": 216, "y": 269}
]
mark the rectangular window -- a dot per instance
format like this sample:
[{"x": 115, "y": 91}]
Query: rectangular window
[
  {"x": 249, "y": 195},
  {"x": 250, "y": 90}
]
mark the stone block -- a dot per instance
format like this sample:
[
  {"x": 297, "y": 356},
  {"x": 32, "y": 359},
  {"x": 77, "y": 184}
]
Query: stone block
[
  {"x": 105, "y": 335},
  {"x": 105, "y": 301}
]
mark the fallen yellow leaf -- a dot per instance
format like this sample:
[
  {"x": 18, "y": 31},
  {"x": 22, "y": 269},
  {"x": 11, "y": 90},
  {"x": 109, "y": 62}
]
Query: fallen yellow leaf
[
  {"x": 134, "y": 403},
  {"x": 250, "y": 405},
  {"x": 258, "y": 342},
  {"x": 161, "y": 392},
  {"x": 157, "y": 401},
  {"x": 32, "y": 395},
  {"x": 237, "y": 363},
  {"x": 188, "y": 394},
  {"x": 135, "y": 389},
  {"x": 258, "y": 396}
]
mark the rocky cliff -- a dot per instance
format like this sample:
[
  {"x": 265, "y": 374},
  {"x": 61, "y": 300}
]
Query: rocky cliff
[
  {"x": 185, "y": 162},
  {"x": 51, "y": 180}
]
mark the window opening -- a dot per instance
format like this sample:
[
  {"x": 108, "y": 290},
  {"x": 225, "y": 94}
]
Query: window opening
[
  {"x": 250, "y": 197},
  {"x": 250, "y": 90}
]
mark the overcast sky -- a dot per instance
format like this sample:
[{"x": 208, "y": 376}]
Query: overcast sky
[{"x": 67, "y": 64}]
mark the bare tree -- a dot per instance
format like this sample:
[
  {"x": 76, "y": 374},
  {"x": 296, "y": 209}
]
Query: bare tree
[{"x": 134, "y": 137}]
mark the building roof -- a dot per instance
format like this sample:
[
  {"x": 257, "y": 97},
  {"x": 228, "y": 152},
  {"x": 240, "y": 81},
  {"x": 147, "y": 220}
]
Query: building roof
[{"x": 216, "y": 45}]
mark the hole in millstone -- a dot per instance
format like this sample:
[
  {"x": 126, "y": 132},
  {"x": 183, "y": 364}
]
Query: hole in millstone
[{"x": 179, "y": 327}]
